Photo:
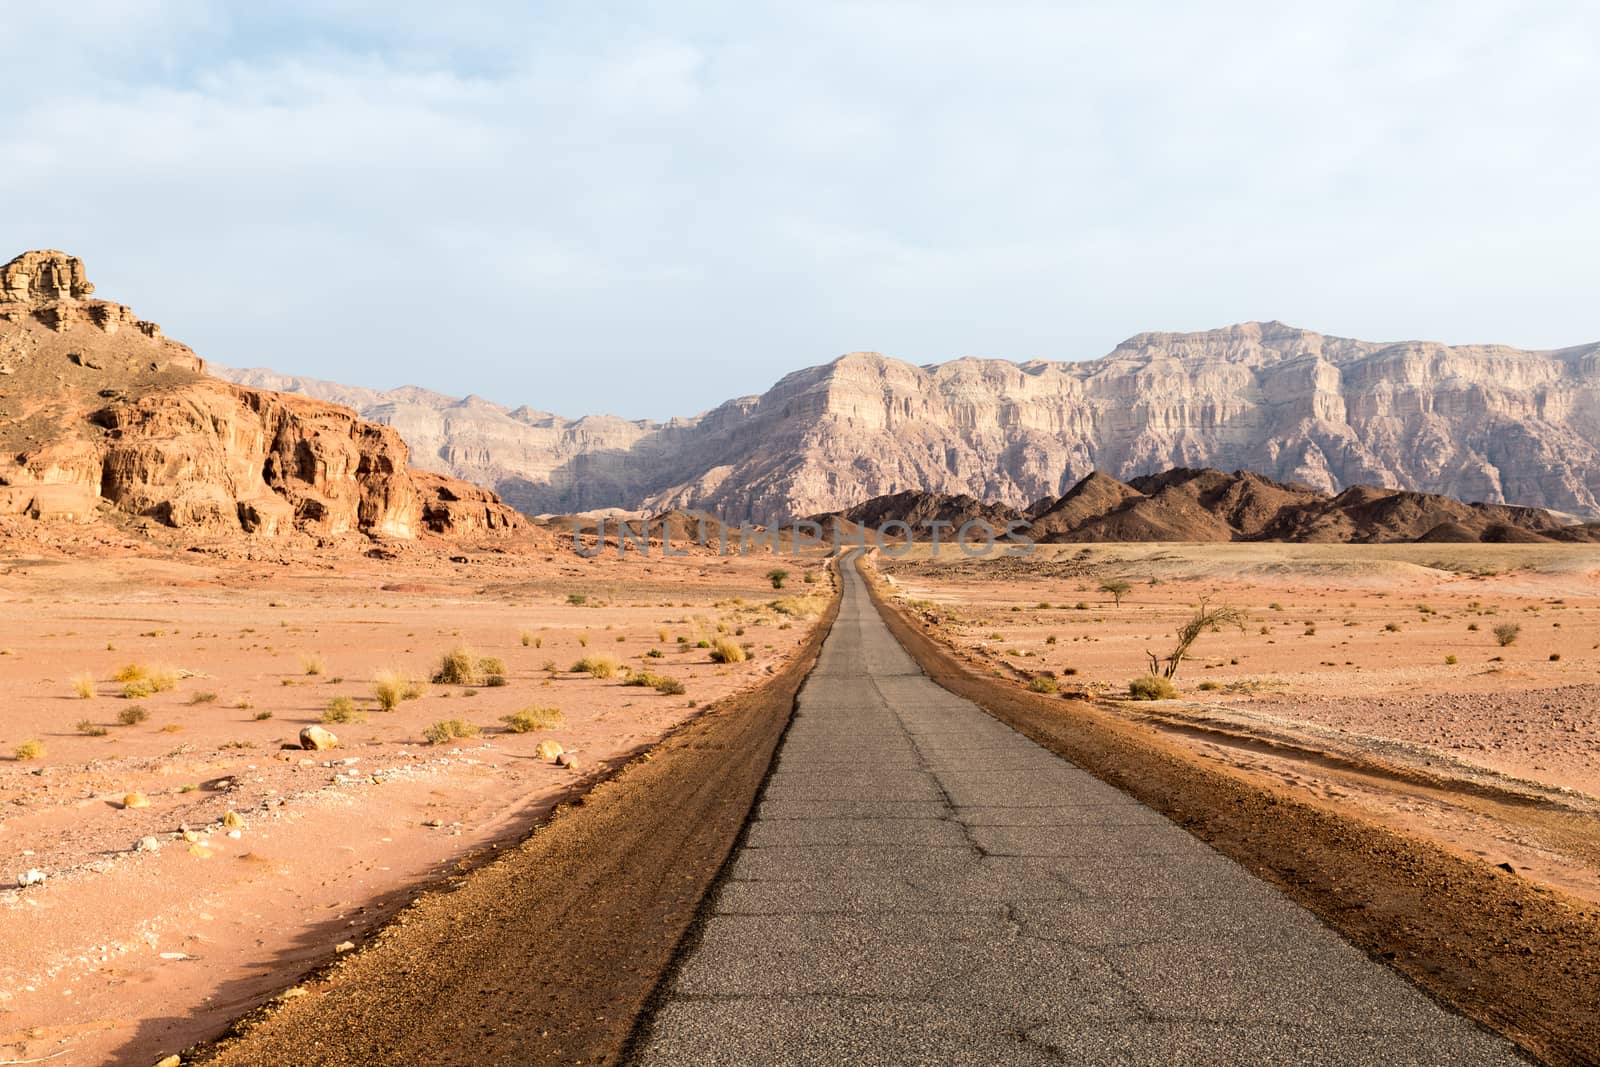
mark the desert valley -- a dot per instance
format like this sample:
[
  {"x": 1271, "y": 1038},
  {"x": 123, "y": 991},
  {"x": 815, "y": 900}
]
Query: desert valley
[{"x": 290, "y": 702}]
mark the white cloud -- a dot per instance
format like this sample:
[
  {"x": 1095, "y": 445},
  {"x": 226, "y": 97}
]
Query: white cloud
[{"x": 696, "y": 198}]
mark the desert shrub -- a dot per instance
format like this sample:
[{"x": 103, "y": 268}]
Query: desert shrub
[
  {"x": 1392, "y": 627},
  {"x": 1506, "y": 633},
  {"x": 90, "y": 729},
  {"x": 30, "y": 749},
  {"x": 495, "y": 681},
  {"x": 137, "y": 689},
  {"x": 133, "y": 716},
  {"x": 311, "y": 664},
  {"x": 203, "y": 697},
  {"x": 263, "y": 716},
  {"x": 529, "y": 719},
  {"x": 799, "y": 607},
  {"x": 449, "y": 730},
  {"x": 577, "y": 599},
  {"x": 83, "y": 686},
  {"x": 1554, "y": 656},
  {"x": 1472, "y": 626},
  {"x": 663, "y": 635},
  {"x": 656, "y": 653},
  {"x": 527, "y": 638},
  {"x": 1209, "y": 687},
  {"x": 1080, "y": 606},
  {"x": 727, "y": 651},
  {"x": 1050, "y": 640},
  {"x": 162, "y": 679},
  {"x": 1042, "y": 683},
  {"x": 342, "y": 709},
  {"x": 670, "y": 686},
  {"x": 491, "y": 665},
  {"x": 583, "y": 640},
  {"x": 389, "y": 688},
  {"x": 1451, "y": 661},
  {"x": 129, "y": 672},
  {"x": 596, "y": 666},
  {"x": 777, "y": 576},
  {"x": 458, "y": 667},
  {"x": 1152, "y": 687}
]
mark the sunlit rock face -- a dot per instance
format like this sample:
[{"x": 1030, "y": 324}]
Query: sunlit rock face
[{"x": 1477, "y": 422}]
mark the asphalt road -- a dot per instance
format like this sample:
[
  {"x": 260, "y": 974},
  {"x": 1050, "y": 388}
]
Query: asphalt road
[{"x": 921, "y": 884}]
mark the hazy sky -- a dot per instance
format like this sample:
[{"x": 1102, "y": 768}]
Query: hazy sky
[{"x": 647, "y": 208}]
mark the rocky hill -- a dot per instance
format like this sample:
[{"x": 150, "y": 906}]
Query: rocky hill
[
  {"x": 1479, "y": 422},
  {"x": 101, "y": 416},
  {"x": 1188, "y": 504}
]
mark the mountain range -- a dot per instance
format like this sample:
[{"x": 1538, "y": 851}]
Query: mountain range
[
  {"x": 1186, "y": 504},
  {"x": 1484, "y": 423}
]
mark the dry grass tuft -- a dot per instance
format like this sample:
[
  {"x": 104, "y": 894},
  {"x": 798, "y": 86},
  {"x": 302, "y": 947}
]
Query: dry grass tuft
[
  {"x": 726, "y": 650},
  {"x": 31, "y": 749},
  {"x": 449, "y": 730},
  {"x": 1152, "y": 687},
  {"x": 531, "y": 718},
  {"x": 83, "y": 686},
  {"x": 596, "y": 666}
]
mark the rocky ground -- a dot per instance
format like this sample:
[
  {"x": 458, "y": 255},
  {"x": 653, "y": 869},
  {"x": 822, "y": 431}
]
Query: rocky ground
[{"x": 189, "y": 857}]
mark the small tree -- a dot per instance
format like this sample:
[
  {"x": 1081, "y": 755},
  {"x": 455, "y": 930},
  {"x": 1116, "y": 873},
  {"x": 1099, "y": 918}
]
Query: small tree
[
  {"x": 1205, "y": 618},
  {"x": 777, "y": 577},
  {"x": 1506, "y": 633},
  {"x": 1117, "y": 588}
]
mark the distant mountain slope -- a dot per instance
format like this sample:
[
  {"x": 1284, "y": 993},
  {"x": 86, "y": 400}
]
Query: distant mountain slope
[
  {"x": 1188, "y": 504},
  {"x": 1479, "y": 422}
]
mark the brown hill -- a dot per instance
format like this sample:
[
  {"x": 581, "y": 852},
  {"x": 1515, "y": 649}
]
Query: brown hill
[
  {"x": 1190, "y": 504},
  {"x": 101, "y": 416}
]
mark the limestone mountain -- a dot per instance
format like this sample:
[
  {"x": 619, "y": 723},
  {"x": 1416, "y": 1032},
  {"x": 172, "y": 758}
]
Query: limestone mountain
[
  {"x": 1477, "y": 422},
  {"x": 101, "y": 416}
]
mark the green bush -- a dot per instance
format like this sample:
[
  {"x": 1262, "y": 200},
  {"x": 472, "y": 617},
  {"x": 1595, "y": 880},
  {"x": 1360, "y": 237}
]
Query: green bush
[{"x": 1152, "y": 687}]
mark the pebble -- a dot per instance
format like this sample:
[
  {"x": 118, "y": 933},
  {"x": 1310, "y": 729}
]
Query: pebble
[
  {"x": 548, "y": 749},
  {"x": 135, "y": 800},
  {"x": 344, "y": 946},
  {"x": 170, "y": 1061}
]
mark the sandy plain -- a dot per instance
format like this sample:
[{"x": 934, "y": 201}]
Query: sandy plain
[
  {"x": 123, "y": 955},
  {"x": 1369, "y": 678}
]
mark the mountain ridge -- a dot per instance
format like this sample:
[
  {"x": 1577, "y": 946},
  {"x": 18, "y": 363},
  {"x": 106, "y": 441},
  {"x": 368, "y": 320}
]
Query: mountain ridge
[{"x": 1476, "y": 422}]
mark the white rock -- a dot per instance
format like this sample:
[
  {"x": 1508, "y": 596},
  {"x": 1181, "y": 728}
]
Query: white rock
[
  {"x": 33, "y": 876},
  {"x": 148, "y": 844}
]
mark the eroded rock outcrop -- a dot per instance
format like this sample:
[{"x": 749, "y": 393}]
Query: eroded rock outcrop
[
  {"x": 1475, "y": 422},
  {"x": 99, "y": 411}
]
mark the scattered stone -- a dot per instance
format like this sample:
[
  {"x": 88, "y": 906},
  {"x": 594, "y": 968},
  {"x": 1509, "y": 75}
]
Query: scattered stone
[
  {"x": 567, "y": 760},
  {"x": 344, "y": 946},
  {"x": 170, "y": 1061},
  {"x": 235, "y": 834},
  {"x": 1507, "y": 868},
  {"x": 30, "y": 877},
  {"x": 135, "y": 800},
  {"x": 233, "y": 821},
  {"x": 317, "y": 739},
  {"x": 549, "y": 749},
  {"x": 434, "y": 822},
  {"x": 200, "y": 852},
  {"x": 148, "y": 843},
  {"x": 190, "y": 836}
]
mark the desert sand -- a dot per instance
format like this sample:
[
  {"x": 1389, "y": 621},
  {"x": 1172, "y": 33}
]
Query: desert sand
[
  {"x": 261, "y": 857},
  {"x": 1366, "y": 677}
]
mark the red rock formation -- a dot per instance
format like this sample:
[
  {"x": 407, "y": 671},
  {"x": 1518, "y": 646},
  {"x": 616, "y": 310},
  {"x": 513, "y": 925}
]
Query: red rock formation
[{"x": 96, "y": 416}]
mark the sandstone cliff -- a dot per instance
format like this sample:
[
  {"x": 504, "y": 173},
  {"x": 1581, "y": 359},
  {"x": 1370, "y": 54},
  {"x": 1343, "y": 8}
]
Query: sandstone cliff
[
  {"x": 1479, "y": 422},
  {"x": 100, "y": 414}
]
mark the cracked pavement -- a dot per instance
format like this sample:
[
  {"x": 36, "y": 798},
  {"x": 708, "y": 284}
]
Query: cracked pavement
[{"x": 919, "y": 883}]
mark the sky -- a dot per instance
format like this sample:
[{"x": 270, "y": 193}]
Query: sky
[{"x": 647, "y": 208}]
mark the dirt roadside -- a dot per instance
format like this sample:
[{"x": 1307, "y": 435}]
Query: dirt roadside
[
  {"x": 548, "y": 954},
  {"x": 1519, "y": 958}
]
